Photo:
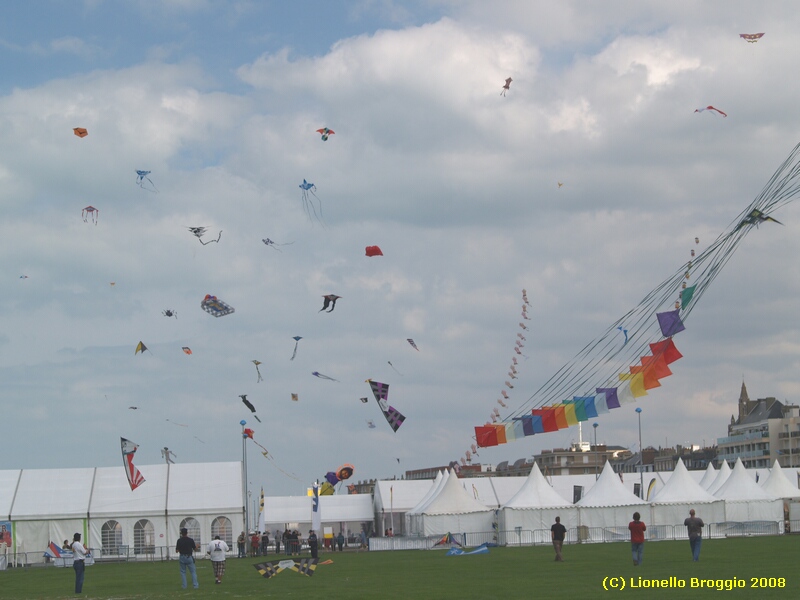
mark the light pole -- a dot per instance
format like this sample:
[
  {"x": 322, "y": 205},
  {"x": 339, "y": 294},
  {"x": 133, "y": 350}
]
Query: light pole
[
  {"x": 641, "y": 455},
  {"x": 245, "y": 491},
  {"x": 596, "y": 455}
]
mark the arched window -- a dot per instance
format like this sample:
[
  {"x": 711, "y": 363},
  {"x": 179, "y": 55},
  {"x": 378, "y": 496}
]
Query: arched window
[
  {"x": 144, "y": 537},
  {"x": 111, "y": 537},
  {"x": 193, "y": 527},
  {"x": 221, "y": 526}
]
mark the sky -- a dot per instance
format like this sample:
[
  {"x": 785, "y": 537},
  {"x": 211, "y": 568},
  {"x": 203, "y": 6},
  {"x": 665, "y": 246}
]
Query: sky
[{"x": 457, "y": 184}]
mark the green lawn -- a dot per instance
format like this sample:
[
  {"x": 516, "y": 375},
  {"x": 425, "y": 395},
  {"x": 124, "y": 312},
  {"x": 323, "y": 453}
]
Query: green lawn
[{"x": 504, "y": 573}]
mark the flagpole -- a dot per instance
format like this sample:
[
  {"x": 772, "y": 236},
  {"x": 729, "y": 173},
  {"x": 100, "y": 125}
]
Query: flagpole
[
  {"x": 391, "y": 506},
  {"x": 244, "y": 476}
]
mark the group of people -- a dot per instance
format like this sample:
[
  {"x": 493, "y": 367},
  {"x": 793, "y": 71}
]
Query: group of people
[
  {"x": 186, "y": 546},
  {"x": 694, "y": 526}
]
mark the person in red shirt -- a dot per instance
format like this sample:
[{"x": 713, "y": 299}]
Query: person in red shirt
[{"x": 637, "y": 529}]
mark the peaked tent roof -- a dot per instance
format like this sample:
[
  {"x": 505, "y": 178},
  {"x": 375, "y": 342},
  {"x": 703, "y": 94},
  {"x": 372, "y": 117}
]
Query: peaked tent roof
[
  {"x": 608, "y": 490},
  {"x": 722, "y": 475},
  {"x": 453, "y": 499},
  {"x": 680, "y": 488},
  {"x": 740, "y": 486},
  {"x": 708, "y": 476},
  {"x": 778, "y": 484},
  {"x": 536, "y": 493},
  {"x": 434, "y": 486}
]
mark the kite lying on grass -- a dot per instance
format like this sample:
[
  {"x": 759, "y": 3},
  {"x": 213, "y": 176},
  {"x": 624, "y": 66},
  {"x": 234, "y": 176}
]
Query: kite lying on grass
[{"x": 304, "y": 566}]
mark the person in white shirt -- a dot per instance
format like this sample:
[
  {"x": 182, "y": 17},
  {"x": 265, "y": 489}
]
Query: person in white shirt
[
  {"x": 79, "y": 551},
  {"x": 217, "y": 549}
]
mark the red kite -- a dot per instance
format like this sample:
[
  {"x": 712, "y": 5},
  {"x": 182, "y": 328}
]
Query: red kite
[
  {"x": 80, "y": 132},
  {"x": 373, "y": 251}
]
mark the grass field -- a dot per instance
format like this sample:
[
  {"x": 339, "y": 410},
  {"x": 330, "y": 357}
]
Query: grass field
[{"x": 504, "y": 573}]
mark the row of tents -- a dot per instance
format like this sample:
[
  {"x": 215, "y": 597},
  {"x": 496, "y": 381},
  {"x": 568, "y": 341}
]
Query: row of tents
[{"x": 724, "y": 496}]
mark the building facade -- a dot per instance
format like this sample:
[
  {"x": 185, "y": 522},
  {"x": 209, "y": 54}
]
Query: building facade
[{"x": 766, "y": 430}]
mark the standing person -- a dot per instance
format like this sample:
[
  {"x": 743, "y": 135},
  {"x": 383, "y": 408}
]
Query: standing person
[
  {"x": 217, "y": 550},
  {"x": 277, "y": 541},
  {"x": 557, "y": 534},
  {"x": 240, "y": 542},
  {"x": 286, "y": 542},
  {"x": 79, "y": 551},
  {"x": 186, "y": 547},
  {"x": 637, "y": 529},
  {"x": 695, "y": 525},
  {"x": 312, "y": 544},
  {"x": 264, "y": 543},
  {"x": 255, "y": 541},
  {"x": 340, "y": 541}
]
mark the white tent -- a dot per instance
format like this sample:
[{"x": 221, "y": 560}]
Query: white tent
[
  {"x": 412, "y": 516},
  {"x": 778, "y": 485},
  {"x": 532, "y": 510},
  {"x": 342, "y": 511},
  {"x": 454, "y": 509},
  {"x": 722, "y": 476},
  {"x": 53, "y": 504},
  {"x": 607, "y": 508},
  {"x": 745, "y": 500},
  {"x": 671, "y": 505},
  {"x": 708, "y": 476}
]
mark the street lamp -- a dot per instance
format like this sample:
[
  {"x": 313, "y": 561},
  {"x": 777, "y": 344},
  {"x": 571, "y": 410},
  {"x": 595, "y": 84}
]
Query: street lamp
[
  {"x": 641, "y": 455},
  {"x": 245, "y": 491},
  {"x": 595, "y": 425}
]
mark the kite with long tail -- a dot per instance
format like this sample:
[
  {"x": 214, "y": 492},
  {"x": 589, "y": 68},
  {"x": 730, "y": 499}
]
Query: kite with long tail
[
  {"x": 135, "y": 478},
  {"x": 606, "y": 373}
]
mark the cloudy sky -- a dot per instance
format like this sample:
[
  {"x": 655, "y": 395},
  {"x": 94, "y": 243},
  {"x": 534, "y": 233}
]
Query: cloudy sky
[{"x": 457, "y": 184}]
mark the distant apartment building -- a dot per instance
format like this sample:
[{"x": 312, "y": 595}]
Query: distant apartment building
[{"x": 766, "y": 430}]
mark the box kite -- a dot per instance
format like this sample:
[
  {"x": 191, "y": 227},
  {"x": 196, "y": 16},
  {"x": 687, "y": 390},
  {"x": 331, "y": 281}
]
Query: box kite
[
  {"x": 80, "y": 132},
  {"x": 216, "y": 307}
]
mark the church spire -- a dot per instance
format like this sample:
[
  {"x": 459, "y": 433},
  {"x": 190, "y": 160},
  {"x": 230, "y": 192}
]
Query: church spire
[{"x": 744, "y": 402}]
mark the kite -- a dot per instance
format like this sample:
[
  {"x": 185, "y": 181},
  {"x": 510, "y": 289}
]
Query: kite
[
  {"x": 199, "y": 232},
  {"x": 371, "y": 424},
  {"x": 170, "y": 313},
  {"x": 448, "y": 538},
  {"x": 625, "y": 333},
  {"x": 326, "y": 133},
  {"x": 216, "y": 307},
  {"x": 559, "y": 184},
  {"x": 711, "y": 108},
  {"x": 381, "y": 393},
  {"x": 141, "y": 177},
  {"x": 80, "y": 132},
  {"x": 295, "y": 397},
  {"x": 308, "y": 203},
  {"x": 751, "y": 38},
  {"x": 373, "y": 251},
  {"x": 90, "y": 212},
  {"x": 755, "y": 218},
  {"x": 296, "y": 339},
  {"x": 186, "y": 350},
  {"x": 364, "y": 400},
  {"x": 506, "y": 86},
  {"x": 140, "y": 347},
  {"x": 305, "y": 566},
  {"x": 249, "y": 405},
  {"x": 23, "y": 276},
  {"x": 135, "y": 478},
  {"x": 248, "y": 433},
  {"x": 133, "y": 408},
  {"x": 525, "y": 297},
  {"x": 177, "y": 424},
  {"x": 256, "y": 363},
  {"x": 332, "y": 478},
  {"x": 271, "y": 244},
  {"x": 330, "y": 300},
  {"x": 395, "y": 370},
  {"x": 413, "y": 345},
  {"x": 604, "y": 374},
  {"x": 523, "y": 326},
  {"x": 321, "y": 376},
  {"x": 482, "y": 549}
]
